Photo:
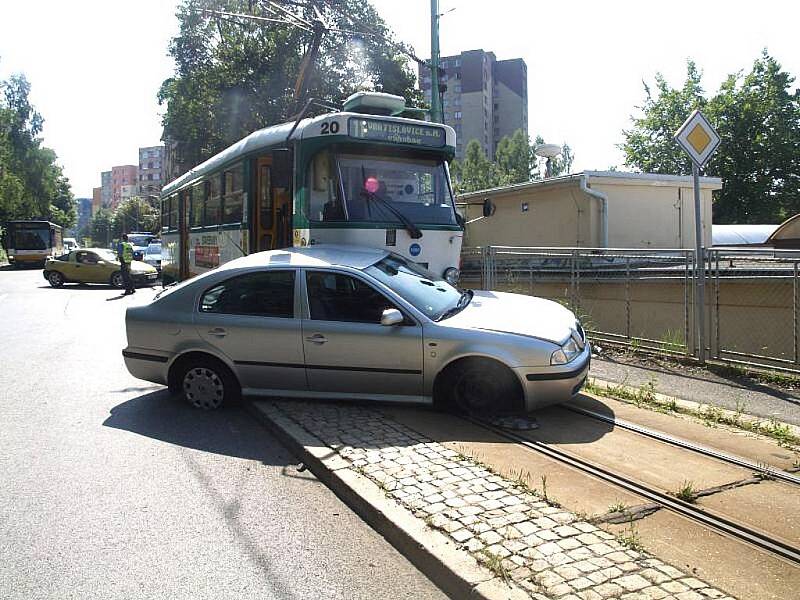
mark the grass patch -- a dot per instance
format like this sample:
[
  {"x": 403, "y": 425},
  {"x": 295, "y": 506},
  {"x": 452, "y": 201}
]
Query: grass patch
[
  {"x": 617, "y": 507},
  {"x": 495, "y": 564},
  {"x": 3, "y": 256},
  {"x": 645, "y": 397},
  {"x": 686, "y": 492},
  {"x": 630, "y": 538}
]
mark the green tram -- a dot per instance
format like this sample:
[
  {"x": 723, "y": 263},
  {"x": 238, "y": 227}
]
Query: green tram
[{"x": 362, "y": 176}]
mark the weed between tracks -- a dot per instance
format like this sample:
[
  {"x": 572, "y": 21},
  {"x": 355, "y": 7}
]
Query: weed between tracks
[
  {"x": 645, "y": 397},
  {"x": 686, "y": 492}
]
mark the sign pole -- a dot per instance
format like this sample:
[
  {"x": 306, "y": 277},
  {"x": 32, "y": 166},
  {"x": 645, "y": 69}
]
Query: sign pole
[
  {"x": 700, "y": 267},
  {"x": 436, "y": 103}
]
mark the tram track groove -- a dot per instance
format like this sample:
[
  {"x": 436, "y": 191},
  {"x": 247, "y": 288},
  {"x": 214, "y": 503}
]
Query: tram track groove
[
  {"x": 719, "y": 523},
  {"x": 769, "y": 472}
]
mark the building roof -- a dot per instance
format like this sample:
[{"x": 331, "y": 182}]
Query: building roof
[
  {"x": 741, "y": 235},
  {"x": 654, "y": 179}
]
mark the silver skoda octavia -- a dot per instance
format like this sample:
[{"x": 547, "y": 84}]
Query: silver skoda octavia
[{"x": 351, "y": 322}]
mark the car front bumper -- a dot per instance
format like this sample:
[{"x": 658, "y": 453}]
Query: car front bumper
[
  {"x": 554, "y": 384},
  {"x": 144, "y": 278}
]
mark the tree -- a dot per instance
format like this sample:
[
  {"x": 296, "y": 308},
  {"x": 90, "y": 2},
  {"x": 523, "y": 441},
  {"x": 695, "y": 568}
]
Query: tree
[
  {"x": 31, "y": 182},
  {"x": 513, "y": 159},
  {"x": 232, "y": 78},
  {"x": 101, "y": 227},
  {"x": 758, "y": 119},
  {"x": 134, "y": 214},
  {"x": 475, "y": 172}
]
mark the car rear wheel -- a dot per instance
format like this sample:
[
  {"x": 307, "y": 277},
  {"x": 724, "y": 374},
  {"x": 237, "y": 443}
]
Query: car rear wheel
[
  {"x": 55, "y": 279},
  {"x": 116, "y": 280},
  {"x": 208, "y": 384},
  {"x": 481, "y": 386}
]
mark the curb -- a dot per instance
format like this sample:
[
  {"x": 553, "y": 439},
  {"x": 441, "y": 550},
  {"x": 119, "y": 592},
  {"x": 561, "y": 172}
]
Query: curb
[
  {"x": 455, "y": 572},
  {"x": 693, "y": 406}
]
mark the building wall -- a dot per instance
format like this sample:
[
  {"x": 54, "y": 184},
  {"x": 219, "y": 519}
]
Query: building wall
[
  {"x": 107, "y": 188},
  {"x": 151, "y": 170},
  {"x": 485, "y": 98},
  {"x": 122, "y": 175},
  {"x": 642, "y": 213}
]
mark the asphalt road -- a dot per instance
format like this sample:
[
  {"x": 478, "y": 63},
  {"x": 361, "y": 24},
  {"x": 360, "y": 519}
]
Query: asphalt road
[{"x": 111, "y": 489}]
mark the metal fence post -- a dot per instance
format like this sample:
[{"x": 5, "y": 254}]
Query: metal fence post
[
  {"x": 686, "y": 300},
  {"x": 628, "y": 298},
  {"x": 794, "y": 311}
]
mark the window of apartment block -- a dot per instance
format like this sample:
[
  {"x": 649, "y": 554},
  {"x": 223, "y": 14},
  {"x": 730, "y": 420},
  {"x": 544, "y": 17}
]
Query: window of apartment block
[{"x": 457, "y": 114}]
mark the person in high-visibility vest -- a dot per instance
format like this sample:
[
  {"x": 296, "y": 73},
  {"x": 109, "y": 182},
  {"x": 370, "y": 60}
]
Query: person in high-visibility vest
[{"x": 125, "y": 255}]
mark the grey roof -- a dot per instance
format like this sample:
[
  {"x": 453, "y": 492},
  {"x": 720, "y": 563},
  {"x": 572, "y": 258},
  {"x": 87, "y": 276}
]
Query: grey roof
[{"x": 740, "y": 235}]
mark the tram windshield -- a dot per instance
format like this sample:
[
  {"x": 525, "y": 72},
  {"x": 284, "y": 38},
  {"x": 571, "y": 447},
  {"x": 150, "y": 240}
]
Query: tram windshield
[{"x": 406, "y": 191}]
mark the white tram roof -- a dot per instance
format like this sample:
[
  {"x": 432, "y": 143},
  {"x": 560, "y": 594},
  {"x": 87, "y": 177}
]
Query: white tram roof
[{"x": 275, "y": 135}]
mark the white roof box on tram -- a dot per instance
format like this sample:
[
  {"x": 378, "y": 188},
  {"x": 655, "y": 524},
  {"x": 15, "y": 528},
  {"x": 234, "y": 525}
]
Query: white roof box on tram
[{"x": 375, "y": 103}]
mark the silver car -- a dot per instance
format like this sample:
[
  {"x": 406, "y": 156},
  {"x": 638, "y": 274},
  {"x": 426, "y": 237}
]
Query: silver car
[{"x": 358, "y": 323}]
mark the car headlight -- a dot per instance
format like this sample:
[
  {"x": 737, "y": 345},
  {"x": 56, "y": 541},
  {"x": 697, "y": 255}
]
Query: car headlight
[
  {"x": 451, "y": 275},
  {"x": 568, "y": 351}
]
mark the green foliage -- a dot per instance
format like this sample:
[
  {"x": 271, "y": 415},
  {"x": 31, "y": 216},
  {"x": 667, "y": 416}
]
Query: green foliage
[
  {"x": 100, "y": 227},
  {"x": 31, "y": 182},
  {"x": 758, "y": 119},
  {"x": 232, "y": 78},
  {"x": 134, "y": 214},
  {"x": 514, "y": 162}
]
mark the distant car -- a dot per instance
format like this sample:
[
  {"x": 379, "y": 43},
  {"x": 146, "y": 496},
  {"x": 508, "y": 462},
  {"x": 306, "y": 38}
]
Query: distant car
[
  {"x": 70, "y": 244},
  {"x": 152, "y": 255},
  {"x": 344, "y": 322},
  {"x": 94, "y": 265},
  {"x": 140, "y": 242}
]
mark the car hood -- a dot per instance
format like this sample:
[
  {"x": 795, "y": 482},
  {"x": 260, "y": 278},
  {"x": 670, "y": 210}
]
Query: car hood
[
  {"x": 138, "y": 266},
  {"x": 517, "y": 314}
]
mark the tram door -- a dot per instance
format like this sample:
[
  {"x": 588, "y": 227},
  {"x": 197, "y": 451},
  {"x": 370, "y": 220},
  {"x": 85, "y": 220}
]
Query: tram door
[
  {"x": 273, "y": 211},
  {"x": 183, "y": 237}
]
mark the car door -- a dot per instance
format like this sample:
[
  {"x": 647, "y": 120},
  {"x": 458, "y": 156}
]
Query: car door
[
  {"x": 347, "y": 349},
  {"x": 253, "y": 320},
  {"x": 85, "y": 268}
]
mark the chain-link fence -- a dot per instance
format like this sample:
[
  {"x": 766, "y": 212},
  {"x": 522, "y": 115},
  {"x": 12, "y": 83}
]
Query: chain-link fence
[{"x": 646, "y": 298}]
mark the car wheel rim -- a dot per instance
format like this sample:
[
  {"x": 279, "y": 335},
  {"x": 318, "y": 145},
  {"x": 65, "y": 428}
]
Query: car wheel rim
[
  {"x": 475, "y": 393},
  {"x": 116, "y": 280},
  {"x": 203, "y": 388},
  {"x": 55, "y": 279}
]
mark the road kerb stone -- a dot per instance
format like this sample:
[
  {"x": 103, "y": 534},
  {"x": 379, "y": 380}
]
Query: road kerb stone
[{"x": 431, "y": 503}]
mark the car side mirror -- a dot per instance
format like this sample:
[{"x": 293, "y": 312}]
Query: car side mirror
[
  {"x": 392, "y": 316},
  {"x": 461, "y": 221},
  {"x": 488, "y": 207}
]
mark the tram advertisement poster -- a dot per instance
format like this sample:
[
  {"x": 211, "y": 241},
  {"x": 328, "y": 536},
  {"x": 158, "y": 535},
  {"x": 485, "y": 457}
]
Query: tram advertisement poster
[{"x": 206, "y": 252}]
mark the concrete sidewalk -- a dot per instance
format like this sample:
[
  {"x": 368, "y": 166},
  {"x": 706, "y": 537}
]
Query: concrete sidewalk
[{"x": 699, "y": 385}]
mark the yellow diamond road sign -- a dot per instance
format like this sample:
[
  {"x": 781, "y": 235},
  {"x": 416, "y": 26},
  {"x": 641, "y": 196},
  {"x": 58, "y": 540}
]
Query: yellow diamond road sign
[{"x": 698, "y": 138}]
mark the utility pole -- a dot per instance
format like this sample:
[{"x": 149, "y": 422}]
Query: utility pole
[{"x": 436, "y": 101}]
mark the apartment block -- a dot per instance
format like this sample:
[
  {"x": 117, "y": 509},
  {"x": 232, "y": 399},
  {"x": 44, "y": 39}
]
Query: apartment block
[
  {"x": 485, "y": 98},
  {"x": 107, "y": 191},
  {"x": 151, "y": 170},
  {"x": 124, "y": 175},
  {"x": 97, "y": 199}
]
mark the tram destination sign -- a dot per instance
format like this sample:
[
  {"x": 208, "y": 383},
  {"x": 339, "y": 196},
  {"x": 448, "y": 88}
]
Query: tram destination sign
[{"x": 398, "y": 133}]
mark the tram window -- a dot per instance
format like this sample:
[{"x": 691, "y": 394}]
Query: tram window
[
  {"x": 165, "y": 213},
  {"x": 325, "y": 201},
  {"x": 263, "y": 294},
  {"x": 174, "y": 205},
  {"x": 339, "y": 297},
  {"x": 198, "y": 205},
  {"x": 234, "y": 191},
  {"x": 214, "y": 203}
]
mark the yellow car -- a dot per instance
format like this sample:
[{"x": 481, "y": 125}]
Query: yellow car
[{"x": 94, "y": 265}]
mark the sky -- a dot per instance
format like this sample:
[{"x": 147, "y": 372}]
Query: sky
[{"x": 95, "y": 66}]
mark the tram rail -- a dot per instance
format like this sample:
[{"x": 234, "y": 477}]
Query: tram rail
[{"x": 719, "y": 523}]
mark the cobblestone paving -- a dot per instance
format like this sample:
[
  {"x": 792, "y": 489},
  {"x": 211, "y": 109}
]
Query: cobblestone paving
[{"x": 544, "y": 549}]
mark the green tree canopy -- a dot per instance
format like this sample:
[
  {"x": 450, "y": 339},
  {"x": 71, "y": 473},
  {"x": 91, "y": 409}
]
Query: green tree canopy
[
  {"x": 757, "y": 116},
  {"x": 232, "y": 78},
  {"x": 134, "y": 214},
  {"x": 32, "y": 184}
]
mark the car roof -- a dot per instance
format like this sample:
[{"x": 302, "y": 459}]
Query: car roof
[
  {"x": 321, "y": 255},
  {"x": 92, "y": 250}
]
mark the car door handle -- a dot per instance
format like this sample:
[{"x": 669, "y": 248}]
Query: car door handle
[
  {"x": 317, "y": 339},
  {"x": 218, "y": 331}
]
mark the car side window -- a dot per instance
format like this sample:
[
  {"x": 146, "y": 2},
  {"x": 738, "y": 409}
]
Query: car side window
[
  {"x": 340, "y": 297},
  {"x": 263, "y": 293}
]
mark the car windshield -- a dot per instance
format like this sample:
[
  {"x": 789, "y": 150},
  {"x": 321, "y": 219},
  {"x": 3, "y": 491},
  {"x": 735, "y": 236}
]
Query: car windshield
[
  {"x": 432, "y": 296},
  {"x": 153, "y": 249},
  {"x": 139, "y": 240}
]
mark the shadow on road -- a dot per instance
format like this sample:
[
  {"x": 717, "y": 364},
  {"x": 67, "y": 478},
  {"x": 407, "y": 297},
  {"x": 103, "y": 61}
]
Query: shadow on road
[{"x": 229, "y": 431}]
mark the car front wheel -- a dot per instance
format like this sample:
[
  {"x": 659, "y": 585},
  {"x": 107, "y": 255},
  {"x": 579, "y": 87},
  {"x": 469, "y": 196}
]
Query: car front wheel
[
  {"x": 116, "y": 280},
  {"x": 55, "y": 279},
  {"x": 481, "y": 386},
  {"x": 207, "y": 384}
]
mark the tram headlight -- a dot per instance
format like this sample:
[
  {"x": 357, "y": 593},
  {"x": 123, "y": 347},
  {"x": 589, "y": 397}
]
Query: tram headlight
[{"x": 451, "y": 275}]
